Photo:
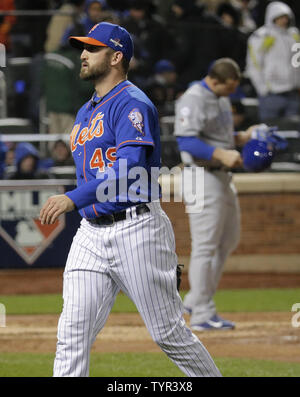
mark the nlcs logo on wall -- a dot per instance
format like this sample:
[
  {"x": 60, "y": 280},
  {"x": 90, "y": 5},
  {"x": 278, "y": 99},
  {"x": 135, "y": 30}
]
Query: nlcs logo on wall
[{"x": 19, "y": 221}]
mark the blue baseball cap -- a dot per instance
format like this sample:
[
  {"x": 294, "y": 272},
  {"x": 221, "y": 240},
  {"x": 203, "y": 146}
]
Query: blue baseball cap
[{"x": 106, "y": 34}]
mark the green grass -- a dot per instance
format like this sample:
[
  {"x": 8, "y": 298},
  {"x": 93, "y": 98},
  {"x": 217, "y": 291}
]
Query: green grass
[
  {"x": 235, "y": 367},
  {"x": 244, "y": 300},
  {"x": 32, "y": 304},
  {"x": 151, "y": 364},
  {"x": 140, "y": 365},
  {"x": 257, "y": 300}
]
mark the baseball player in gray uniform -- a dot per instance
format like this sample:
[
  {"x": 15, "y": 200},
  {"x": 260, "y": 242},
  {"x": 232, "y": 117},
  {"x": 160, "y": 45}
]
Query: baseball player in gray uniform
[
  {"x": 206, "y": 138},
  {"x": 125, "y": 242}
]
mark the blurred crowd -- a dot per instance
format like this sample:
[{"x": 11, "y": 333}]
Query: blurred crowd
[
  {"x": 24, "y": 161},
  {"x": 175, "y": 43}
]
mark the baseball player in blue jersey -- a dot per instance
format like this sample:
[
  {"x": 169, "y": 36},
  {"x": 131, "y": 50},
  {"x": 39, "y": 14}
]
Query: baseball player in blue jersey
[{"x": 126, "y": 242}]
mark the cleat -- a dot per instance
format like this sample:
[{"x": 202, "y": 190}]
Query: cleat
[{"x": 215, "y": 323}]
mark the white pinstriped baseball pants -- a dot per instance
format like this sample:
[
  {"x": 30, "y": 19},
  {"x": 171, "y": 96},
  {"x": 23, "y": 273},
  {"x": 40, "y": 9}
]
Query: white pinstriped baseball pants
[{"x": 137, "y": 256}]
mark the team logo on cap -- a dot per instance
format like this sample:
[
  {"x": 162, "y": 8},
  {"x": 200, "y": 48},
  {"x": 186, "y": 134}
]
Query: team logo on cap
[
  {"x": 136, "y": 118},
  {"x": 93, "y": 28},
  {"x": 116, "y": 42}
]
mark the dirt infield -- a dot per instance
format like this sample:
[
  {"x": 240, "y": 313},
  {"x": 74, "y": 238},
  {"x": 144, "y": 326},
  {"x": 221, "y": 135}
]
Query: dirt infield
[
  {"x": 257, "y": 335},
  {"x": 268, "y": 336},
  {"x": 48, "y": 281}
]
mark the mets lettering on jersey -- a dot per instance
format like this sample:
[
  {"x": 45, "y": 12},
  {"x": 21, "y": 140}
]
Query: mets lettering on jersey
[
  {"x": 103, "y": 128},
  {"x": 87, "y": 134}
]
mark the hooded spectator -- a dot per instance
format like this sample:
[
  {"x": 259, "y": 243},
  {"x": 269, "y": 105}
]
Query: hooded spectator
[
  {"x": 27, "y": 163},
  {"x": 269, "y": 64}
]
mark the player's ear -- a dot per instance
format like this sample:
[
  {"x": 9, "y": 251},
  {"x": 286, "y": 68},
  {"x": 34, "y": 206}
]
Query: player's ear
[{"x": 116, "y": 57}]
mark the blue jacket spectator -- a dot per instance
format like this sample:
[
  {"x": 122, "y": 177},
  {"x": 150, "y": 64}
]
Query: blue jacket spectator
[{"x": 27, "y": 163}]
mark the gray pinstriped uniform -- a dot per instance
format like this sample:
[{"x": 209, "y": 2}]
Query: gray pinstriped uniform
[
  {"x": 136, "y": 255},
  {"x": 215, "y": 230}
]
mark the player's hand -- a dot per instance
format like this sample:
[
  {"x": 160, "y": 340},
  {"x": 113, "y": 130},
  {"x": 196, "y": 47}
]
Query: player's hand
[
  {"x": 249, "y": 132},
  {"x": 54, "y": 207},
  {"x": 229, "y": 158},
  {"x": 244, "y": 136}
]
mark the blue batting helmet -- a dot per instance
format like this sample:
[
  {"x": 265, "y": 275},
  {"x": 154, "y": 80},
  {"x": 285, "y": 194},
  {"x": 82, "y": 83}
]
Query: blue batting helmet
[
  {"x": 259, "y": 152},
  {"x": 257, "y": 155}
]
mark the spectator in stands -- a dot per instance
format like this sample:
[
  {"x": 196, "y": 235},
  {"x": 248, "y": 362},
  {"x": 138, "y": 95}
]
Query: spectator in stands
[
  {"x": 229, "y": 15},
  {"x": 246, "y": 7},
  {"x": 63, "y": 90},
  {"x": 162, "y": 87},
  {"x": 198, "y": 39},
  {"x": 150, "y": 39},
  {"x": 61, "y": 154},
  {"x": 61, "y": 157},
  {"x": 258, "y": 11},
  {"x": 269, "y": 64},
  {"x": 95, "y": 11},
  {"x": 59, "y": 23},
  {"x": 10, "y": 155},
  {"x": 231, "y": 18},
  {"x": 27, "y": 163},
  {"x": 7, "y": 159},
  {"x": 6, "y": 22}
]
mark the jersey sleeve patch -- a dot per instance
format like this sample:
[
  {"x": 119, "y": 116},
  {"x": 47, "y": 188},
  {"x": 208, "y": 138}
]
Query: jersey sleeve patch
[{"x": 136, "y": 118}]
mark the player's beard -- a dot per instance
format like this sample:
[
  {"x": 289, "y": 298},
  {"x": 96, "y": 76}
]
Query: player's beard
[{"x": 96, "y": 72}]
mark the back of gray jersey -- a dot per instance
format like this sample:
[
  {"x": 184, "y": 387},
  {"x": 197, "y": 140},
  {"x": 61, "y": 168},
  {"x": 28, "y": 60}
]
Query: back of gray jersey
[{"x": 199, "y": 112}]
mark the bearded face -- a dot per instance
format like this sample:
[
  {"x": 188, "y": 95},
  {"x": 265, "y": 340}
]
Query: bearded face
[{"x": 95, "y": 63}]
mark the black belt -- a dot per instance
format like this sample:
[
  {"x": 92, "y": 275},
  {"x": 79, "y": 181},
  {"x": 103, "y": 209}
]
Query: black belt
[
  {"x": 213, "y": 168},
  {"x": 221, "y": 168},
  {"x": 110, "y": 219}
]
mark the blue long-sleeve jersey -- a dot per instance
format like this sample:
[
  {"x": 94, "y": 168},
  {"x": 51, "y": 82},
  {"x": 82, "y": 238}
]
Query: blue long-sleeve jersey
[{"x": 120, "y": 127}]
